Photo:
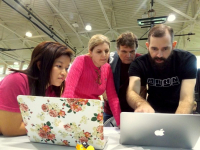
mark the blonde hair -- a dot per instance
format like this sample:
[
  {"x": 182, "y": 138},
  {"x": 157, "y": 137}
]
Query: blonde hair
[{"x": 97, "y": 40}]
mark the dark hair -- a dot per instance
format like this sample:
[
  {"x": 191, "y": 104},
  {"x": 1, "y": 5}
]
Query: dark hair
[
  {"x": 160, "y": 31},
  {"x": 44, "y": 54},
  {"x": 127, "y": 39}
]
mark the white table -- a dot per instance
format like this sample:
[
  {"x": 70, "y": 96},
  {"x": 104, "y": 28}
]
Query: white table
[{"x": 113, "y": 135}]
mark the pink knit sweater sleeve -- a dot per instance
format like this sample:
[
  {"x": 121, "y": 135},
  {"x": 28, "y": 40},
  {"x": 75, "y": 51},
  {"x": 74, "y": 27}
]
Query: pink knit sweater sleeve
[
  {"x": 73, "y": 77},
  {"x": 113, "y": 98}
]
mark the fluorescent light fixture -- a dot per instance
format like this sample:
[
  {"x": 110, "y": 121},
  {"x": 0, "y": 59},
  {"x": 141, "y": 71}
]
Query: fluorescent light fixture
[
  {"x": 88, "y": 27},
  {"x": 147, "y": 22},
  {"x": 171, "y": 17},
  {"x": 28, "y": 34},
  {"x": 16, "y": 63}
]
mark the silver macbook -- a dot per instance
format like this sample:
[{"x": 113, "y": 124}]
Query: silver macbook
[{"x": 156, "y": 129}]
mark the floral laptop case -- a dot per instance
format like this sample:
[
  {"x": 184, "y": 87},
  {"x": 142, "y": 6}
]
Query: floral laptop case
[{"x": 63, "y": 121}]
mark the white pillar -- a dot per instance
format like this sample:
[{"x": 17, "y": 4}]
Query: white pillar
[
  {"x": 4, "y": 68},
  {"x": 21, "y": 65}
]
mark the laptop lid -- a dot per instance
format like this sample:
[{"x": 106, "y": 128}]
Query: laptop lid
[
  {"x": 156, "y": 129},
  {"x": 63, "y": 121}
]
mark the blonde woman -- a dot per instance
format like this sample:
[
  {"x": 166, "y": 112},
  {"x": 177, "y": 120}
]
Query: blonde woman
[{"x": 90, "y": 75}]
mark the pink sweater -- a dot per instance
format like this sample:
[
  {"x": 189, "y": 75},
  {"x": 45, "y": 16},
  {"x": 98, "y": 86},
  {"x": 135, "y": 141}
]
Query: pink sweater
[{"x": 81, "y": 83}]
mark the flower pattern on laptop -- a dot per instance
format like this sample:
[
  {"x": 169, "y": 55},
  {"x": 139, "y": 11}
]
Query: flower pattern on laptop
[
  {"x": 63, "y": 121},
  {"x": 53, "y": 109},
  {"x": 97, "y": 117},
  {"x": 75, "y": 105},
  {"x": 25, "y": 111},
  {"x": 45, "y": 133}
]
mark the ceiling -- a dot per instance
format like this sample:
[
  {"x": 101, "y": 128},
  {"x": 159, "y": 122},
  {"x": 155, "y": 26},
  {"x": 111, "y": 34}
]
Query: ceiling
[{"x": 52, "y": 20}]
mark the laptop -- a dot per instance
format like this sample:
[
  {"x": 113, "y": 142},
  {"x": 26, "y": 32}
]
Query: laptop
[
  {"x": 63, "y": 121},
  {"x": 160, "y": 130}
]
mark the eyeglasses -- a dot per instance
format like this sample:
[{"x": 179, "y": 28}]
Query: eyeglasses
[{"x": 98, "y": 80}]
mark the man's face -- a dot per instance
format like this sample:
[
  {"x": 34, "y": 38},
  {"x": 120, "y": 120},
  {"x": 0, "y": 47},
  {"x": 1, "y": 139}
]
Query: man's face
[
  {"x": 126, "y": 54},
  {"x": 160, "y": 48}
]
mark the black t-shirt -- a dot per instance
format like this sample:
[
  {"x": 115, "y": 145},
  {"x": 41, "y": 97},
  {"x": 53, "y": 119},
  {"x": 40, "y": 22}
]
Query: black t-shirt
[
  {"x": 124, "y": 81},
  {"x": 164, "y": 86}
]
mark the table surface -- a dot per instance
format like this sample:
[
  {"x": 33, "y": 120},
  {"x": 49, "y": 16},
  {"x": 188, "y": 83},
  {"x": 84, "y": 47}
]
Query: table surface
[{"x": 113, "y": 135}]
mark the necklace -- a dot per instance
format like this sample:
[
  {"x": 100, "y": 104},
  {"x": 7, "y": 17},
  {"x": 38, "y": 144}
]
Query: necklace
[{"x": 98, "y": 80}]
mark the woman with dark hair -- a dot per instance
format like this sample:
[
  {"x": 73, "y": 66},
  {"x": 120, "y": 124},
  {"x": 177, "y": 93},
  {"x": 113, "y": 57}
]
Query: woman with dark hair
[{"x": 44, "y": 76}]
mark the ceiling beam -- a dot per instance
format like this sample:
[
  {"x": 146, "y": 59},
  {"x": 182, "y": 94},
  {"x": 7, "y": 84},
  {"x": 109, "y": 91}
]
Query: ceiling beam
[
  {"x": 183, "y": 25},
  {"x": 116, "y": 33},
  {"x": 105, "y": 15},
  {"x": 197, "y": 13},
  {"x": 56, "y": 29},
  {"x": 183, "y": 29},
  {"x": 178, "y": 21},
  {"x": 30, "y": 15},
  {"x": 138, "y": 9},
  {"x": 113, "y": 13},
  {"x": 13, "y": 21},
  {"x": 17, "y": 57},
  {"x": 39, "y": 35},
  {"x": 194, "y": 7},
  {"x": 97, "y": 30},
  {"x": 114, "y": 21},
  {"x": 6, "y": 27},
  {"x": 186, "y": 39},
  {"x": 174, "y": 9},
  {"x": 2, "y": 33},
  {"x": 82, "y": 51},
  {"x": 57, "y": 14},
  {"x": 4, "y": 62},
  {"x": 79, "y": 15},
  {"x": 128, "y": 27},
  {"x": 19, "y": 36},
  {"x": 66, "y": 21}
]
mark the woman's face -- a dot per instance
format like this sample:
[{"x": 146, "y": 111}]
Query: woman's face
[
  {"x": 59, "y": 70},
  {"x": 100, "y": 54}
]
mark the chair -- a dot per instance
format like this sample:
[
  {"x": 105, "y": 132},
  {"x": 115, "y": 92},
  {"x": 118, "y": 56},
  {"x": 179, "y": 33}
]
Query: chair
[
  {"x": 110, "y": 123},
  {"x": 198, "y": 102}
]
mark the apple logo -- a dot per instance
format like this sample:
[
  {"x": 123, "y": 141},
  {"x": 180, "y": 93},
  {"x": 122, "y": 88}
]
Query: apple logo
[{"x": 159, "y": 132}]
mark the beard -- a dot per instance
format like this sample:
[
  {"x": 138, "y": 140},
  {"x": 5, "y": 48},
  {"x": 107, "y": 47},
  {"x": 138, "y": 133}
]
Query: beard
[{"x": 160, "y": 66}]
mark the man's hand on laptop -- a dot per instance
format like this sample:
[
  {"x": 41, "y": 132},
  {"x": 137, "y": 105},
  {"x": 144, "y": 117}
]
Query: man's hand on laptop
[{"x": 145, "y": 107}]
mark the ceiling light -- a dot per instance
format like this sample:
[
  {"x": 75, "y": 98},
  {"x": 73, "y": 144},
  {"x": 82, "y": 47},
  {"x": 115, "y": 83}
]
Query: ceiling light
[
  {"x": 88, "y": 27},
  {"x": 171, "y": 17},
  {"x": 16, "y": 63},
  {"x": 147, "y": 22},
  {"x": 28, "y": 34},
  {"x": 75, "y": 25}
]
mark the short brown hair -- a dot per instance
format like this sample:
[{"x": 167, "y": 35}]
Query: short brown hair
[
  {"x": 97, "y": 40},
  {"x": 160, "y": 31},
  {"x": 127, "y": 39}
]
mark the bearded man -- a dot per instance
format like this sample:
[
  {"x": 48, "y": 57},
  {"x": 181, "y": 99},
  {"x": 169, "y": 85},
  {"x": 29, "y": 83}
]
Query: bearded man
[{"x": 169, "y": 73}]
